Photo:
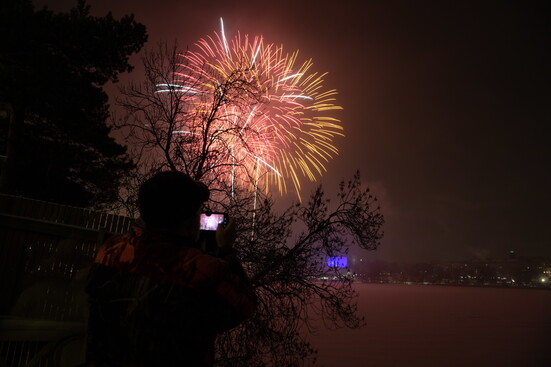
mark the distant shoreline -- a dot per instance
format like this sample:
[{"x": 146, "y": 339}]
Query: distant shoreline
[{"x": 501, "y": 286}]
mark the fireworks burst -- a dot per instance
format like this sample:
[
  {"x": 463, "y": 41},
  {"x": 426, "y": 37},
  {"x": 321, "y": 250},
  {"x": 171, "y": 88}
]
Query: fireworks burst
[{"x": 267, "y": 118}]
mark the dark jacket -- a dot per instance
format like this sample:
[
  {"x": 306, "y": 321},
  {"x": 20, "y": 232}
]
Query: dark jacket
[{"x": 157, "y": 300}]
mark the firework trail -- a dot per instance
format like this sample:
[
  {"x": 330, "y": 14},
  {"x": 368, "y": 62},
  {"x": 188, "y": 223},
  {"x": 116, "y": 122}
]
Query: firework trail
[{"x": 267, "y": 118}]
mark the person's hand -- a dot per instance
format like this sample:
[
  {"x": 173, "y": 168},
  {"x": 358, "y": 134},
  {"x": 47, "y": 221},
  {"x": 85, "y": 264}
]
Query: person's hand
[{"x": 225, "y": 236}]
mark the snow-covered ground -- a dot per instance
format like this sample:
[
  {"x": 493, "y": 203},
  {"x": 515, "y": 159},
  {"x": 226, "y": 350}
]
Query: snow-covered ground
[{"x": 442, "y": 326}]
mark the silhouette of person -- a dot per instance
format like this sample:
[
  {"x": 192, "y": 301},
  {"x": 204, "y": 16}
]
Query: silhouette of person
[{"x": 156, "y": 299}]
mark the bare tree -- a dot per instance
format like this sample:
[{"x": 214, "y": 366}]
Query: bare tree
[
  {"x": 165, "y": 130},
  {"x": 291, "y": 277},
  {"x": 285, "y": 253}
]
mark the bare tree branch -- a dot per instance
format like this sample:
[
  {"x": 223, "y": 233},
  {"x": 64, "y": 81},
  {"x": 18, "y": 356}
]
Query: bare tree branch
[{"x": 288, "y": 269}]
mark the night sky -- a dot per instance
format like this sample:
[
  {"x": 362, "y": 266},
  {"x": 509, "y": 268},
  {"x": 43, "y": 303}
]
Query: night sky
[{"x": 446, "y": 108}]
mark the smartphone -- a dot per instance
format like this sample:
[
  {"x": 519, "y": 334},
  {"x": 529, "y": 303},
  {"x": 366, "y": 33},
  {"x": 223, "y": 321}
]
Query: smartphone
[{"x": 209, "y": 221}]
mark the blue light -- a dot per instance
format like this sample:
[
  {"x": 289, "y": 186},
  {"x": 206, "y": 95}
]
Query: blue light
[{"x": 337, "y": 262}]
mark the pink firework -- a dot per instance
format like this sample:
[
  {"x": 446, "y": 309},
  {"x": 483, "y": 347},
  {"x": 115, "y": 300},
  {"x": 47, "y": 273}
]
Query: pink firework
[{"x": 257, "y": 117}]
